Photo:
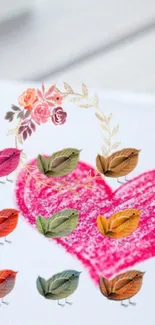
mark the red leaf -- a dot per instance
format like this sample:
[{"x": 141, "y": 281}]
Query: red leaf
[
  {"x": 33, "y": 127},
  {"x": 25, "y": 122},
  {"x": 24, "y": 135},
  {"x": 50, "y": 91},
  {"x": 49, "y": 97},
  {"x": 43, "y": 88},
  {"x": 39, "y": 93},
  {"x": 29, "y": 131},
  {"x": 21, "y": 129},
  {"x": 50, "y": 103}
]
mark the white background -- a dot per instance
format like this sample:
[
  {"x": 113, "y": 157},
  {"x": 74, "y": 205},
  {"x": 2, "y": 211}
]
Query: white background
[{"x": 32, "y": 255}]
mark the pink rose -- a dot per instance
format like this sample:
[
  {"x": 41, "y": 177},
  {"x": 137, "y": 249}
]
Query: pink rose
[
  {"x": 58, "y": 116},
  {"x": 40, "y": 112}
]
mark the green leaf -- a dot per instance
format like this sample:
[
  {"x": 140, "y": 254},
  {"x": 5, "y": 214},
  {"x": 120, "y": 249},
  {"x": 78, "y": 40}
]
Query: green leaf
[
  {"x": 63, "y": 162},
  {"x": 41, "y": 224},
  {"x": 62, "y": 223},
  {"x": 41, "y": 286},
  {"x": 63, "y": 284},
  {"x": 42, "y": 163}
]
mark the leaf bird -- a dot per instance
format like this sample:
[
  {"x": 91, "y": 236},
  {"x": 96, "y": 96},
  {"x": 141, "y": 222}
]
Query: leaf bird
[
  {"x": 59, "y": 163},
  {"x": 120, "y": 163},
  {"x": 120, "y": 224},
  {"x": 8, "y": 222},
  {"x": 59, "y": 286},
  {"x": 9, "y": 160},
  {"x": 123, "y": 286},
  {"x": 59, "y": 225},
  {"x": 7, "y": 283}
]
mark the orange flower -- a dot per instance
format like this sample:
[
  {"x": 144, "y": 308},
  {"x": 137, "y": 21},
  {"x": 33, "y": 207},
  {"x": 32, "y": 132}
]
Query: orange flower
[{"x": 27, "y": 98}]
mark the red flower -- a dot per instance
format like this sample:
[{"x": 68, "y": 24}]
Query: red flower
[
  {"x": 58, "y": 116},
  {"x": 40, "y": 112}
]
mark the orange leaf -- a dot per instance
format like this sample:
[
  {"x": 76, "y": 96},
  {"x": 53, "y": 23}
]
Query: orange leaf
[
  {"x": 102, "y": 224},
  {"x": 124, "y": 223}
]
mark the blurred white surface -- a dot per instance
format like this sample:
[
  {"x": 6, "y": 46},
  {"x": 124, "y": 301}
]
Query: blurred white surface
[
  {"x": 60, "y": 31},
  {"x": 13, "y": 8},
  {"x": 130, "y": 67}
]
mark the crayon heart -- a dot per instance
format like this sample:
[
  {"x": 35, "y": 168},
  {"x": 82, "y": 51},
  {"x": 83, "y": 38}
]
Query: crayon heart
[{"x": 99, "y": 254}]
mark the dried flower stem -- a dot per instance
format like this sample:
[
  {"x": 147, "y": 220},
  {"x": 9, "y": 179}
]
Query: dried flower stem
[{"x": 86, "y": 184}]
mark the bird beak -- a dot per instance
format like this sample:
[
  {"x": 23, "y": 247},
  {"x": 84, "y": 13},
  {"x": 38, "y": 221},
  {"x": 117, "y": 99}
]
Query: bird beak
[{"x": 80, "y": 150}]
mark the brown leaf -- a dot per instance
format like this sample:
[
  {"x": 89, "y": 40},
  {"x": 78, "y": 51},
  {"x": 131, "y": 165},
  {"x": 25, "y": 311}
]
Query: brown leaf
[
  {"x": 15, "y": 108},
  {"x": 101, "y": 163},
  {"x": 27, "y": 114},
  {"x": 122, "y": 162},
  {"x": 84, "y": 90},
  {"x": 123, "y": 223},
  {"x": 126, "y": 285},
  {"x": 20, "y": 115},
  {"x": 105, "y": 286},
  {"x": 68, "y": 88},
  {"x": 9, "y": 116}
]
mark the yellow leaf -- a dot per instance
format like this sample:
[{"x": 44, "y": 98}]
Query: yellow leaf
[
  {"x": 68, "y": 88},
  {"x": 20, "y": 140},
  {"x": 104, "y": 151},
  {"x": 109, "y": 117},
  {"x": 115, "y": 145},
  {"x": 115, "y": 130},
  {"x": 100, "y": 118},
  {"x": 84, "y": 90},
  {"x": 95, "y": 100},
  {"x": 106, "y": 140},
  {"x": 86, "y": 105},
  {"x": 10, "y": 132},
  {"x": 75, "y": 99},
  {"x": 104, "y": 127}
]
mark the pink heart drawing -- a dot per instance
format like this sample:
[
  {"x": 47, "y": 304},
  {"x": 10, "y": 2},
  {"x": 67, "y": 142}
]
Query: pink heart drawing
[{"x": 100, "y": 255}]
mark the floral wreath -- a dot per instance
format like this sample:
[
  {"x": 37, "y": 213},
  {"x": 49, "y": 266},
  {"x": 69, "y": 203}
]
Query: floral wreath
[{"x": 40, "y": 106}]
